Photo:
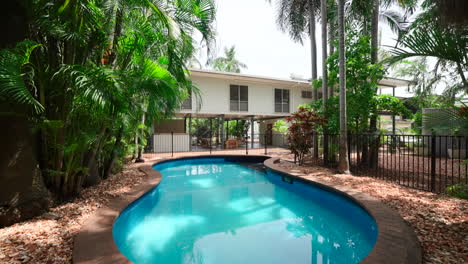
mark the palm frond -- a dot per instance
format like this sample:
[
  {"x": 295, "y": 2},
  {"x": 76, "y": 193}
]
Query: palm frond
[
  {"x": 394, "y": 19},
  {"x": 17, "y": 76},
  {"x": 432, "y": 42}
]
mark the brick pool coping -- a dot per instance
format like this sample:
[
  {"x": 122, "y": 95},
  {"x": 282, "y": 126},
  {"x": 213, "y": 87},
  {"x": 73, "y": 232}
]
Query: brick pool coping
[{"x": 396, "y": 242}]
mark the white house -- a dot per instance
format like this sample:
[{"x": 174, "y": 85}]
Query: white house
[{"x": 235, "y": 96}]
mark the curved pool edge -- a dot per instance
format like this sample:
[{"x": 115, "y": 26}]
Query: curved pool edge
[
  {"x": 396, "y": 240},
  {"x": 94, "y": 243}
]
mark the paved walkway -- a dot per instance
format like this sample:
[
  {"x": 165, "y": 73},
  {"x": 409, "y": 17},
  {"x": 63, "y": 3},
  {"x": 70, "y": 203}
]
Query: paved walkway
[{"x": 270, "y": 152}]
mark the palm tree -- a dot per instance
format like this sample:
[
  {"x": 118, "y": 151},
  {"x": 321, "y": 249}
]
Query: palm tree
[
  {"x": 343, "y": 165},
  {"x": 228, "y": 63},
  {"x": 332, "y": 21},
  {"x": 323, "y": 11},
  {"x": 426, "y": 39},
  {"x": 297, "y": 18},
  {"x": 95, "y": 83}
]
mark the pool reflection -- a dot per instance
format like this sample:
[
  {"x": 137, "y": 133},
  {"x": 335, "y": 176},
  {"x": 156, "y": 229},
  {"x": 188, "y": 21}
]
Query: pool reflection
[{"x": 222, "y": 212}]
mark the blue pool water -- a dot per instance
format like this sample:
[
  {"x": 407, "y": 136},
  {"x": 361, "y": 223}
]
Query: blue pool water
[{"x": 210, "y": 210}]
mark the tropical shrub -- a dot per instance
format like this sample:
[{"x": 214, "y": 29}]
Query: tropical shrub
[
  {"x": 458, "y": 190},
  {"x": 280, "y": 126},
  {"x": 94, "y": 76},
  {"x": 362, "y": 78},
  {"x": 303, "y": 123}
]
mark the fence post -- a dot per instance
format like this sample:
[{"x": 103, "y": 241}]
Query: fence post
[
  {"x": 433, "y": 162},
  {"x": 265, "y": 143},
  {"x": 172, "y": 144}
]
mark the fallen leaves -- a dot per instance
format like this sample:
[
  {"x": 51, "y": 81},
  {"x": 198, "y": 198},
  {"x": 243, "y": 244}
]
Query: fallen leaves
[{"x": 49, "y": 237}]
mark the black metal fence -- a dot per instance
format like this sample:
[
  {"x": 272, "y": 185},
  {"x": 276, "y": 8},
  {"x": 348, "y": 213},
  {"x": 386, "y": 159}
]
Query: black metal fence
[
  {"x": 184, "y": 142},
  {"x": 425, "y": 162}
]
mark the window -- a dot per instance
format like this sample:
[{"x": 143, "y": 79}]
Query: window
[
  {"x": 187, "y": 104},
  {"x": 239, "y": 98},
  {"x": 281, "y": 101},
  {"x": 307, "y": 94}
]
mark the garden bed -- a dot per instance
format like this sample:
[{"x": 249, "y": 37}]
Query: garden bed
[
  {"x": 49, "y": 238},
  {"x": 440, "y": 222}
]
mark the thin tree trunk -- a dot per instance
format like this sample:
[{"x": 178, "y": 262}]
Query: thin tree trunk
[
  {"x": 140, "y": 149},
  {"x": 113, "y": 21},
  {"x": 313, "y": 57},
  {"x": 462, "y": 75},
  {"x": 111, "y": 161},
  {"x": 343, "y": 165},
  {"x": 331, "y": 35},
  {"x": 375, "y": 31},
  {"x": 313, "y": 46},
  {"x": 373, "y": 148},
  {"x": 323, "y": 10}
]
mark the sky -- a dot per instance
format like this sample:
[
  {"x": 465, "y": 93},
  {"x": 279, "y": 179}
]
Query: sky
[{"x": 251, "y": 26}]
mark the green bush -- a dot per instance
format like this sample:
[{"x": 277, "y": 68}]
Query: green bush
[{"x": 458, "y": 190}]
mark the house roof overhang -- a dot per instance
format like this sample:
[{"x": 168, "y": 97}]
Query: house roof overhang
[
  {"x": 394, "y": 82},
  {"x": 249, "y": 78},
  {"x": 232, "y": 116},
  {"x": 303, "y": 83}
]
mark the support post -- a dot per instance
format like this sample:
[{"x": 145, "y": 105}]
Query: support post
[
  {"x": 265, "y": 143},
  {"x": 211, "y": 134},
  {"x": 227, "y": 129},
  {"x": 172, "y": 143},
  {"x": 222, "y": 132},
  {"x": 251, "y": 132},
  {"x": 190, "y": 132}
]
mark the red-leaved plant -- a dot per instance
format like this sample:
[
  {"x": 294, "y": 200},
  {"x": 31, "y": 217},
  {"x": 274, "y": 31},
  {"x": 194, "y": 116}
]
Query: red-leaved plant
[{"x": 303, "y": 123}]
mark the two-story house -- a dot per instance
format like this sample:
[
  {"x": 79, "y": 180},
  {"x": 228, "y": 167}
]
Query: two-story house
[{"x": 234, "y": 96}]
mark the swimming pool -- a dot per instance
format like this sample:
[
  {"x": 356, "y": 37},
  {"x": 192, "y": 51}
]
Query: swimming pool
[{"x": 214, "y": 210}]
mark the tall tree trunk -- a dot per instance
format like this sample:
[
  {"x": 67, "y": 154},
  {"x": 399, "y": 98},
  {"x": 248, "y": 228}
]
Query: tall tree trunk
[
  {"x": 373, "y": 148},
  {"x": 343, "y": 165},
  {"x": 113, "y": 23},
  {"x": 115, "y": 150},
  {"x": 313, "y": 57},
  {"x": 93, "y": 176},
  {"x": 331, "y": 35},
  {"x": 323, "y": 10},
  {"x": 313, "y": 46},
  {"x": 375, "y": 31}
]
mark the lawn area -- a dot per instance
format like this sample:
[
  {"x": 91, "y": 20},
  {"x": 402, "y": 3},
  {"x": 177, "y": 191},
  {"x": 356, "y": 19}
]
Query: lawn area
[{"x": 440, "y": 222}]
